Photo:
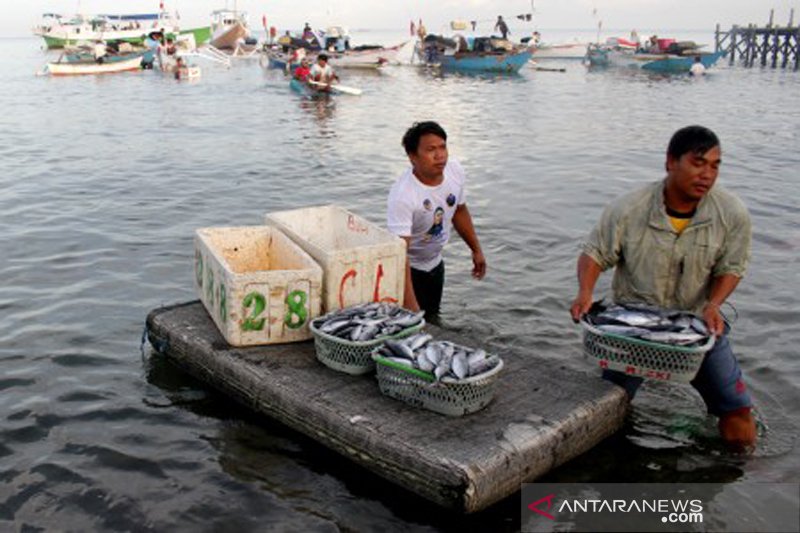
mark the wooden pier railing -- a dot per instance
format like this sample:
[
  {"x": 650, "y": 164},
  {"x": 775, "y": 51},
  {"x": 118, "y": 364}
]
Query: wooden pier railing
[{"x": 770, "y": 45}]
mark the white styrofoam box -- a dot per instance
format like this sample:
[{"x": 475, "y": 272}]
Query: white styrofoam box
[
  {"x": 361, "y": 262},
  {"x": 258, "y": 286}
]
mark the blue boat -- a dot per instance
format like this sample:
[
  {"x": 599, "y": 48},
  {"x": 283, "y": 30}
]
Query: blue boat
[
  {"x": 484, "y": 61},
  {"x": 603, "y": 56}
]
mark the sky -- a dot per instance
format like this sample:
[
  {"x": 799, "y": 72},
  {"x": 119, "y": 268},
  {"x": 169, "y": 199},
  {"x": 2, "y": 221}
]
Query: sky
[{"x": 20, "y": 16}]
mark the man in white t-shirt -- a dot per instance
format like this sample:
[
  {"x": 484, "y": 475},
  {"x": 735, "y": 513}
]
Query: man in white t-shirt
[
  {"x": 425, "y": 202},
  {"x": 322, "y": 72},
  {"x": 697, "y": 68}
]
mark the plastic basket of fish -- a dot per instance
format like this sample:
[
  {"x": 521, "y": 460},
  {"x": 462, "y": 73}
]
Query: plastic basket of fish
[
  {"x": 437, "y": 375},
  {"x": 344, "y": 339},
  {"x": 646, "y": 341}
]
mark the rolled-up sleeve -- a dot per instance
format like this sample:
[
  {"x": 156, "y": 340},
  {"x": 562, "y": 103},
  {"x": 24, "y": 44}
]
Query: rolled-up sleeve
[
  {"x": 604, "y": 243},
  {"x": 735, "y": 250}
]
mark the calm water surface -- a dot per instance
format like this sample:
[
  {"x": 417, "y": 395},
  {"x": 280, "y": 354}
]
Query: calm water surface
[{"x": 103, "y": 181}]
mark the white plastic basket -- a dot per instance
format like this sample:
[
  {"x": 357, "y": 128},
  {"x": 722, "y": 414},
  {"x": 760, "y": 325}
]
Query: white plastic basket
[
  {"x": 453, "y": 397},
  {"x": 646, "y": 359},
  {"x": 352, "y": 357}
]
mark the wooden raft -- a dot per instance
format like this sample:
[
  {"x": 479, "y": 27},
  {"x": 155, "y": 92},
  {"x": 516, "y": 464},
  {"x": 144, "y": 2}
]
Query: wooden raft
[{"x": 541, "y": 416}]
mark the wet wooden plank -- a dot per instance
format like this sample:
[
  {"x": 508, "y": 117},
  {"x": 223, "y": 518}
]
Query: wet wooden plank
[{"x": 541, "y": 416}]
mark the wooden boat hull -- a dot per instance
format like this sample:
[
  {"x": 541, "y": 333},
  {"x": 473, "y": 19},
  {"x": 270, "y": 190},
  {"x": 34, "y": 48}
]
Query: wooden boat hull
[
  {"x": 664, "y": 63},
  {"x": 86, "y": 68},
  {"x": 560, "y": 51},
  {"x": 509, "y": 63},
  {"x": 230, "y": 36}
]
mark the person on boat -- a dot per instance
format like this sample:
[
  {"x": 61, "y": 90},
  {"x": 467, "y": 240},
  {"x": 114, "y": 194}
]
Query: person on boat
[
  {"x": 635, "y": 39},
  {"x": 99, "y": 50},
  {"x": 422, "y": 31},
  {"x": 697, "y": 69},
  {"x": 170, "y": 47},
  {"x": 502, "y": 27},
  {"x": 181, "y": 69},
  {"x": 302, "y": 72},
  {"x": 425, "y": 202},
  {"x": 680, "y": 243},
  {"x": 308, "y": 33},
  {"x": 322, "y": 72},
  {"x": 652, "y": 45}
]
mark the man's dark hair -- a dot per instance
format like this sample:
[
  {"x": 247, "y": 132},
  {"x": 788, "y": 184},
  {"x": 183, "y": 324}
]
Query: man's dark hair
[
  {"x": 323, "y": 57},
  {"x": 417, "y": 130},
  {"x": 695, "y": 139}
]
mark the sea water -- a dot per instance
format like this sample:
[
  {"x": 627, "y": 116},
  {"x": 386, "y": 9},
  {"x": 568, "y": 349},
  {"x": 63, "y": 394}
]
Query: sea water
[{"x": 103, "y": 181}]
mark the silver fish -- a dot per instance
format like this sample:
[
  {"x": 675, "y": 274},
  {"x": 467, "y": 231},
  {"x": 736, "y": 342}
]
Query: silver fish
[
  {"x": 484, "y": 365},
  {"x": 424, "y": 363},
  {"x": 678, "y": 338},
  {"x": 400, "y": 349},
  {"x": 418, "y": 341},
  {"x": 432, "y": 353},
  {"x": 460, "y": 367}
]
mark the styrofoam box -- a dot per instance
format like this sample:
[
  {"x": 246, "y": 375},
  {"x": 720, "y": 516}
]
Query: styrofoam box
[
  {"x": 258, "y": 286},
  {"x": 361, "y": 262}
]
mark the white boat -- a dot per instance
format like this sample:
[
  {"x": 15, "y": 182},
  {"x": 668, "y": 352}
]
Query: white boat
[
  {"x": 58, "y": 31},
  {"x": 367, "y": 57},
  {"x": 568, "y": 50},
  {"x": 65, "y": 68},
  {"x": 229, "y": 29}
]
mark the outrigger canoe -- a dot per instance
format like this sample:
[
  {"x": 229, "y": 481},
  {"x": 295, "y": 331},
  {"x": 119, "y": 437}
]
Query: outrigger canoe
[{"x": 83, "y": 68}]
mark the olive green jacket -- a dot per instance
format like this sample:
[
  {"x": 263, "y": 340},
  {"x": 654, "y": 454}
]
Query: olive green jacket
[{"x": 656, "y": 265}]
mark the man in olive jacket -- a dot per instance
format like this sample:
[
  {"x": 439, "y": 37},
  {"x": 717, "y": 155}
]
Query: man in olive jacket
[{"x": 680, "y": 243}]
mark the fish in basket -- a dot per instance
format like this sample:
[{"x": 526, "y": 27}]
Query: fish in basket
[
  {"x": 646, "y": 341},
  {"x": 437, "y": 375},
  {"x": 344, "y": 339}
]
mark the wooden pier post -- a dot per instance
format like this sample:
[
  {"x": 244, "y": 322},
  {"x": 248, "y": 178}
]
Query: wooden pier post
[
  {"x": 734, "y": 33},
  {"x": 775, "y": 46}
]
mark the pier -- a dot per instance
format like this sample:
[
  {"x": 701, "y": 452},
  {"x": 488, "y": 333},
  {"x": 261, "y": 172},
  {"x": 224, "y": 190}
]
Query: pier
[{"x": 770, "y": 45}]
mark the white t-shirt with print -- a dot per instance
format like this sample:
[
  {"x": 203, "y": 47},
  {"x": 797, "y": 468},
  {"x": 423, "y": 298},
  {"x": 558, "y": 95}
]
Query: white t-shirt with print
[
  {"x": 324, "y": 73},
  {"x": 425, "y": 213}
]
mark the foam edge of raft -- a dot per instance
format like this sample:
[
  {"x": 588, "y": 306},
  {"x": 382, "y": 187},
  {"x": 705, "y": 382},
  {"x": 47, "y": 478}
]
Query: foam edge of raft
[{"x": 532, "y": 445}]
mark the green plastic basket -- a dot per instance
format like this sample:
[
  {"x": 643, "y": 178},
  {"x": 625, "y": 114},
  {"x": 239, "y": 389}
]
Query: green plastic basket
[
  {"x": 352, "y": 357},
  {"x": 642, "y": 358},
  {"x": 452, "y": 397}
]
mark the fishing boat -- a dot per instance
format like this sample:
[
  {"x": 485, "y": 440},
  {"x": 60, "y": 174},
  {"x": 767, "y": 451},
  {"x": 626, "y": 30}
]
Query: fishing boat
[
  {"x": 58, "y": 31},
  {"x": 76, "y": 68},
  {"x": 230, "y": 31},
  {"x": 115, "y": 52},
  {"x": 485, "y": 61},
  {"x": 675, "y": 57},
  {"x": 567, "y": 50},
  {"x": 478, "y": 54}
]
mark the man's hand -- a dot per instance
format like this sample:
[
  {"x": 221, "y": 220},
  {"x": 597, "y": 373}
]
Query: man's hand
[
  {"x": 713, "y": 318},
  {"x": 411, "y": 304},
  {"x": 580, "y": 306},
  {"x": 478, "y": 265}
]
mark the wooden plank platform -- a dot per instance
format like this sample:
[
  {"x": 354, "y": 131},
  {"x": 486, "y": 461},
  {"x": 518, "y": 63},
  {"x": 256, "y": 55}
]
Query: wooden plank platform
[{"x": 541, "y": 416}]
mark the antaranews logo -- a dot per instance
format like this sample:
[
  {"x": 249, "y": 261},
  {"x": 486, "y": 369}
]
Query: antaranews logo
[
  {"x": 535, "y": 506},
  {"x": 664, "y": 510},
  {"x": 658, "y": 507}
]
